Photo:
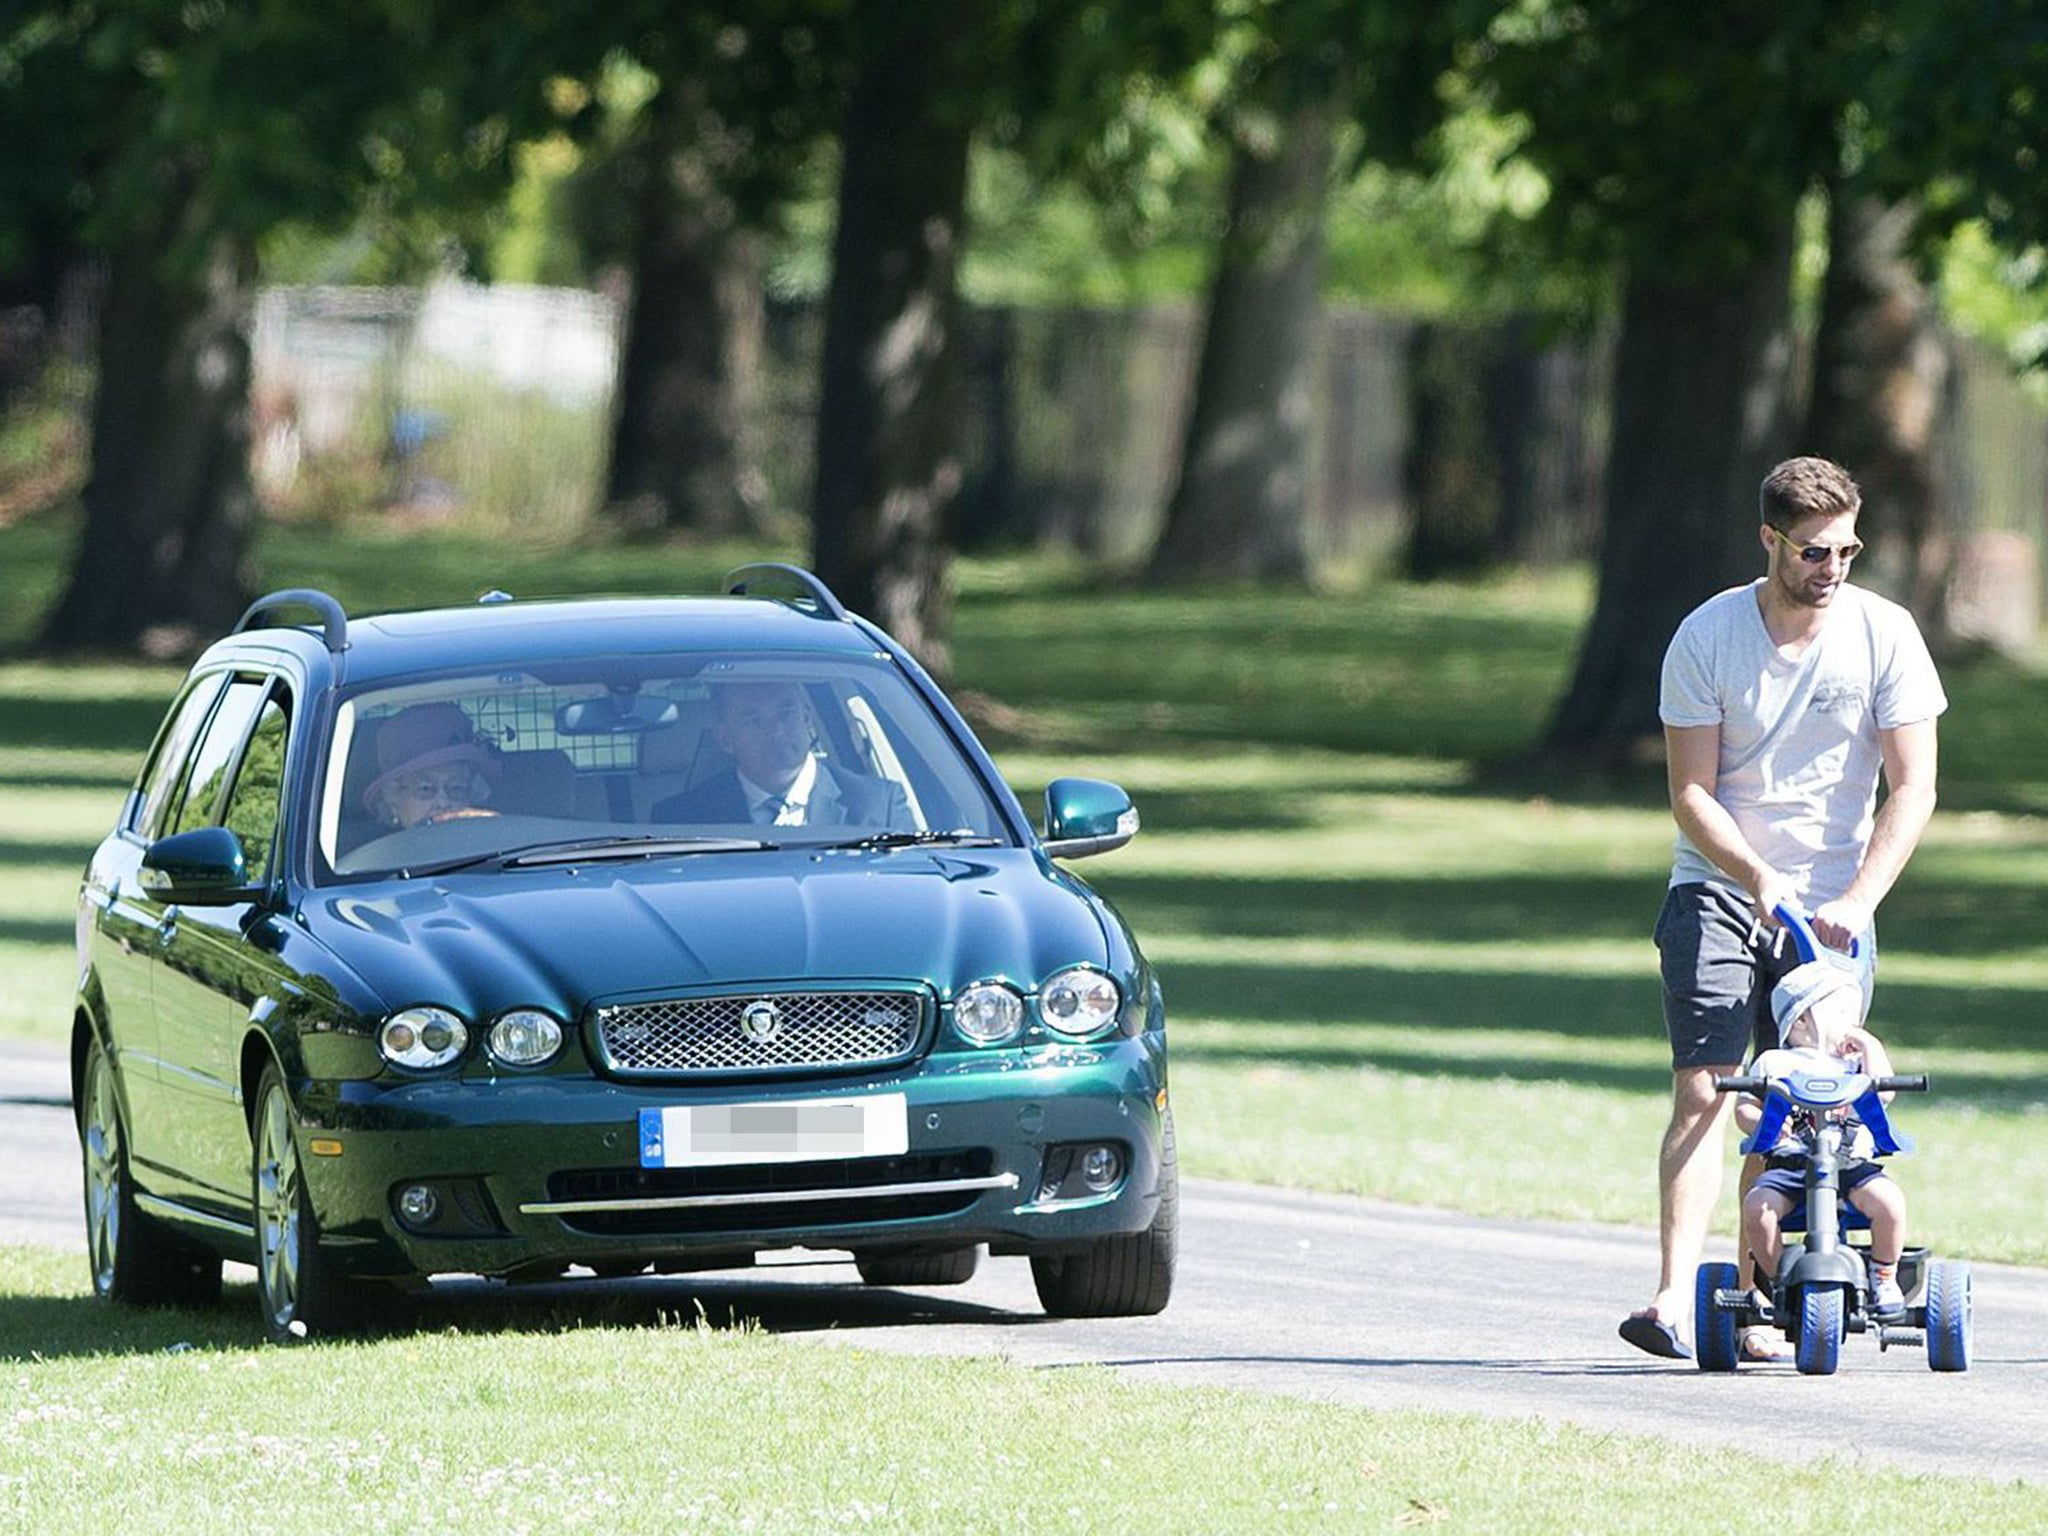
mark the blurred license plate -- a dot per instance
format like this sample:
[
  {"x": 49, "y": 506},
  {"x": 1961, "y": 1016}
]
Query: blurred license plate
[{"x": 697, "y": 1135}]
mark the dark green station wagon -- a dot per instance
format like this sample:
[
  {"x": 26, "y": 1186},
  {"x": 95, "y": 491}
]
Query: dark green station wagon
[{"x": 602, "y": 937}]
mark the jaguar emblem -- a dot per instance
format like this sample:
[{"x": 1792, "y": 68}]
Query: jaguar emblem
[{"x": 761, "y": 1022}]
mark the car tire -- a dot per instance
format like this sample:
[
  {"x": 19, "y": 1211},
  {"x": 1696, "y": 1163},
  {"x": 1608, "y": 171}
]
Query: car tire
[
  {"x": 135, "y": 1260},
  {"x": 297, "y": 1286},
  {"x": 955, "y": 1266},
  {"x": 1128, "y": 1276}
]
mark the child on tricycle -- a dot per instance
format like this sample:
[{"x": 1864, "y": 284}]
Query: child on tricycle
[{"x": 1815, "y": 1108}]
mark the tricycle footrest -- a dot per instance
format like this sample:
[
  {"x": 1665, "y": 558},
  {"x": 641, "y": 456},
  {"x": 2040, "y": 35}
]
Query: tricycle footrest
[{"x": 1739, "y": 1299}]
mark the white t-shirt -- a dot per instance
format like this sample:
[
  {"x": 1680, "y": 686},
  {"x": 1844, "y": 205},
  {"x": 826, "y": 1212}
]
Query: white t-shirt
[{"x": 1799, "y": 746}]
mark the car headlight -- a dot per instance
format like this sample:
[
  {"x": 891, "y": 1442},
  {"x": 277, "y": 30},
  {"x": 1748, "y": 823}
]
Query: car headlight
[
  {"x": 524, "y": 1037},
  {"x": 988, "y": 1013},
  {"x": 1080, "y": 1002},
  {"x": 422, "y": 1038}
]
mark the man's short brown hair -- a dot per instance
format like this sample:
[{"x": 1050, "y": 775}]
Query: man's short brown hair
[{"x": 1803, "y": 488}]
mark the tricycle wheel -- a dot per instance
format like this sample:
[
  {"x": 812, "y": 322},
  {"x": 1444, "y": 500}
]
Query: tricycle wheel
[
  {"x": 1713, "y": 1328},
  {"x": 1948, "y": 1316},
  {"x": 1820, "y": 1330}
]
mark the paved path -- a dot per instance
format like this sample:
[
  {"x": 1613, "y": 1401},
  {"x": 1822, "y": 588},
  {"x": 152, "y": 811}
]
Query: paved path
[{"x": 1326, "y": 1297}]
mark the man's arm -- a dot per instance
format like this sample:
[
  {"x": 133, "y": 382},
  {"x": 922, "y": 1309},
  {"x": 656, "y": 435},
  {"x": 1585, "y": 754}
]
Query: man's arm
[
  {"x": 1692, "y": 754},
  {"x": 1910, "y": 757}
]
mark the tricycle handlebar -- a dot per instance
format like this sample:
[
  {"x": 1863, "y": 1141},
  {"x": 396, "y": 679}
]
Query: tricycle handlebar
[{"x": 1750, "y": 1082}]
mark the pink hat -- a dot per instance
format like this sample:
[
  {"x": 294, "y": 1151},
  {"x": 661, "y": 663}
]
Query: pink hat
[{"x": 426, "y": 736}]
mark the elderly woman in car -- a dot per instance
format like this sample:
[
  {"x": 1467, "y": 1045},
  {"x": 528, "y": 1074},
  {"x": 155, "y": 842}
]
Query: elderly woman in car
[{"x": 430, "y": 767}]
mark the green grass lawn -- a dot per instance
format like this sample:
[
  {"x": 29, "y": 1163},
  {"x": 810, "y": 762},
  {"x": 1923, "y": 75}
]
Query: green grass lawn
[
  {"x": 1395, "y": 964},
  {"x": 522, "y": 1420}
]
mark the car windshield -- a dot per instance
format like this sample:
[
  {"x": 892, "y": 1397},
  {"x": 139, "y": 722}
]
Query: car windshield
[{"x": 643, "y": 757}]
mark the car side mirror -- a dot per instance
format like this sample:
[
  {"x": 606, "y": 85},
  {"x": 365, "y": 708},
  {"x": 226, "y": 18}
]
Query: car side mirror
[
  {"x": 197, "y": 867},
  {"x": 1085, "y": 816}
]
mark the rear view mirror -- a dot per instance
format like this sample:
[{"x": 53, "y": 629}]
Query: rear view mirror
[{"x": 614, "y": 714}]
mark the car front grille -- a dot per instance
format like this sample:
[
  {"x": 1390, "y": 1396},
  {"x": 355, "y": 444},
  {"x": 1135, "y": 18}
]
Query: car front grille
[
  {"x": 760, "y": 1032},
  {"x": 652, "y": 1202}
]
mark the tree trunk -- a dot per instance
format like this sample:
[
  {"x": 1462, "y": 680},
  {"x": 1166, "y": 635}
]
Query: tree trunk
[
  {"x": 1454, "y": 476},
  {"x": 161, "y": 565},
  {"x": 1701, "y": 410},
  {"x": 683, "y": 439},
  {"x": 888, "y": 466},
  {"x": 1880, "y": 371},
  {"x": 1240, "y": 508}
]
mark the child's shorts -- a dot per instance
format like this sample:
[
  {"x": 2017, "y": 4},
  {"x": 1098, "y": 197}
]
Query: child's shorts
[{"x": 1790, "y": 1183}]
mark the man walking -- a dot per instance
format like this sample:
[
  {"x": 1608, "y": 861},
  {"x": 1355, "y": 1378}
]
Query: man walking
[{"x": 1782, "y": 701}]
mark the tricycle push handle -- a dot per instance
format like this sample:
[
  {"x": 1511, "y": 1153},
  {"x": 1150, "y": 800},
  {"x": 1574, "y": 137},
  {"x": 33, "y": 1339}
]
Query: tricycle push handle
[
  {"x": 1804, "y": 939},
  {"x": 1912, "y": 1082}
]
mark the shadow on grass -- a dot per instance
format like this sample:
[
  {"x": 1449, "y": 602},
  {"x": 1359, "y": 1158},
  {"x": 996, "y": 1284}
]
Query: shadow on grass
[
  {"x": 55, "y": 931},
  {"x": 125, "y": 725},
  {"x": 70, "y": 1327},
  {"x": 1980, "y": 1090},
  {"x": 69, "y": 850},
  {"x": 1947, "y": 918},
  {"x": 739, "y": 1299},
  {"x": 114, "y": 785},
  {"x": 1483, "y": 910},
  {"x": 82, "y": 1326}
]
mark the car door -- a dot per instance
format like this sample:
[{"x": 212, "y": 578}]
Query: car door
[
  {"x": 214, "y": 965},
  {"x": 125, "y": 920}
]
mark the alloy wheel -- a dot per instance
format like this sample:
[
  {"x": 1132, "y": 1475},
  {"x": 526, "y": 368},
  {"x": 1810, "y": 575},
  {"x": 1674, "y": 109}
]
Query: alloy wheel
[
  {"x": 277, "y": 1208},
  {"x": 100, "y": 1138}
]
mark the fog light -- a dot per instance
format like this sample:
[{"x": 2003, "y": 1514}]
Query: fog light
[
  {"x": 1102, "y": 1168},
  {"x": 418, "y": 1205}
]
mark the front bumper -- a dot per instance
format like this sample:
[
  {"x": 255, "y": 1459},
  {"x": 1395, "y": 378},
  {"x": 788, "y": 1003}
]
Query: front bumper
[{"x": 534, "y": 1174}]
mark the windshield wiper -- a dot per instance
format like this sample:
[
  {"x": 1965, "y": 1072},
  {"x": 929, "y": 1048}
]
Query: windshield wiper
[
  {"x": 593, "y": 849},
  {"x": 953, "y": 837},
  {"x": 585, "y": 850}
]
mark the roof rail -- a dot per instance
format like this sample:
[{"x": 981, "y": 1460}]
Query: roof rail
[
  {"x": 791, "y": 582},
  {"x": 333, "y": 622}
]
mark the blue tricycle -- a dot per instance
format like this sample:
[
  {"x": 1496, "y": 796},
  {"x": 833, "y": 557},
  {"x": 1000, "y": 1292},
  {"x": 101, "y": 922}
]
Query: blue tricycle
[{"x": 1821, "y": 1289}]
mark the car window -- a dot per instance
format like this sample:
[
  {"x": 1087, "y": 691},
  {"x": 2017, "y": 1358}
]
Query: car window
[
  {"x": 642, "y": 746},
  {"x": 254, "y": 803},
  {"x": 215, "y": 755},
  {"x": 166, "y": 770}
]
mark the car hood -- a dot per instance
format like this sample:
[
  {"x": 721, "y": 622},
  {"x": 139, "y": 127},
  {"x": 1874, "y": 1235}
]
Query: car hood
[{"x": 560, "y": 937}]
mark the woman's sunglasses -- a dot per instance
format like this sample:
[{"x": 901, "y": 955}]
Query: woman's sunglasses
[{"x": 1818, "y": 554}]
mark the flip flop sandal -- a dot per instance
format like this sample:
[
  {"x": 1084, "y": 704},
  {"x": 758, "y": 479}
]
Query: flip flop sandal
[{"x": 1654, "y": 1336}]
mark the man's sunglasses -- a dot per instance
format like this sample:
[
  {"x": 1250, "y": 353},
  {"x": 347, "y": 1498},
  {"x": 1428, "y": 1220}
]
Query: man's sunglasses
[{"x": 1817, "y": 554}]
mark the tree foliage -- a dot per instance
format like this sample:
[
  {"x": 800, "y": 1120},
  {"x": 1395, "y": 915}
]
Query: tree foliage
[{"x": 1676, "y": 152}]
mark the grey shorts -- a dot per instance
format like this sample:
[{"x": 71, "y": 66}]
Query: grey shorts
[{"x": 1718, "y": 974}]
